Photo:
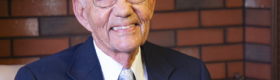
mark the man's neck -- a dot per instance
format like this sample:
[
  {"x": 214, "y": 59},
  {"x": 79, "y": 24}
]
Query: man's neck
[{"x": 125, "y": 59}]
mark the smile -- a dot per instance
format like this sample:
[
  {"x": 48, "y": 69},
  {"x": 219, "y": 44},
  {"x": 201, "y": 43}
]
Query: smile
[{"x": 123, "y": 27}]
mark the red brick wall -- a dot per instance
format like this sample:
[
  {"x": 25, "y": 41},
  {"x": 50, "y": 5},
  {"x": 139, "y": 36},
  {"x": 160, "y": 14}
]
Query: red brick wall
[
  {"x": 258, "y": 39},
  {"x": 230, "y": 36}
]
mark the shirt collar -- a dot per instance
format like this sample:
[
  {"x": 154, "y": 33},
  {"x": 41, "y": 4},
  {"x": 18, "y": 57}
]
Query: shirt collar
[
  {"x": 111, "y": 68},
  {"x": 137, "y": 66}
]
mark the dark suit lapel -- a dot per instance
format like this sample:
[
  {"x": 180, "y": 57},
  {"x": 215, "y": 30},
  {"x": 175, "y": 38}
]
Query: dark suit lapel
[
  {"x": 85, "y": 65},
  {"x": 157, "y": 66}
]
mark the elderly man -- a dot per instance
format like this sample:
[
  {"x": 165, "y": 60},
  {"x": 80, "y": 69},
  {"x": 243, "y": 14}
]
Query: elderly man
[{"x": 117, "y": 49}]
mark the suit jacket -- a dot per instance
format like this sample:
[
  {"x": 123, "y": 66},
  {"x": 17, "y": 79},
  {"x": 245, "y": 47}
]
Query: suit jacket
[{"x": 80, "y": 62}]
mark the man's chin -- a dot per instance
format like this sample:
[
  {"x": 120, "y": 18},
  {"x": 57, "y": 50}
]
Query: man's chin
[{"x": 127, "y": 49}]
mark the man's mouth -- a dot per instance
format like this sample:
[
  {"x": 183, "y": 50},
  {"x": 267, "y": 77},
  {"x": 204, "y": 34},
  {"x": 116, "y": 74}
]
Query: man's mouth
[{"x": 123, "y": 27}]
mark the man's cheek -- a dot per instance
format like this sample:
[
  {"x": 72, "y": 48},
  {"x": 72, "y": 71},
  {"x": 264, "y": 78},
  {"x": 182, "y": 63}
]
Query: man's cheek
[
  {"x": 144, "y": 14},
  {"x": 100, "y": 17}
]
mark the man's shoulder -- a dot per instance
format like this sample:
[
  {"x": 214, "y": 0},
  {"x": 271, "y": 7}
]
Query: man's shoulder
[
  {"x": 169, "y": 53},
  {"x": 184, "y": 66},
  {"x": 56, "y": 61},
  {"x": 175, "y": 58},
  {"x": 52, "y": 67}
]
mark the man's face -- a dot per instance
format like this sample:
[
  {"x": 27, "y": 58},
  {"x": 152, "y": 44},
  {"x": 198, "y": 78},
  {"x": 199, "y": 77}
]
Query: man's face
[{"x": 122, "y": 27}]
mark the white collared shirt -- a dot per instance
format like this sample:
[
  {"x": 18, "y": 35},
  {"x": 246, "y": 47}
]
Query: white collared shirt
[{"x": 111, "y": 68}]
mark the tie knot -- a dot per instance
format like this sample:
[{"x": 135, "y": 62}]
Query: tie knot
[{"x": 126, "y": 74}]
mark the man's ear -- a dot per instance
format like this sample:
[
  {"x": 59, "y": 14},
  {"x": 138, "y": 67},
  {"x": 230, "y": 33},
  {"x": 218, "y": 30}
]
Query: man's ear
[{"x": 79, "y": 11}]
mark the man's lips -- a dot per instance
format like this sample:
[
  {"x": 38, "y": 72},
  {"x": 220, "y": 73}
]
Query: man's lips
[{"x": 123, "y": 27}]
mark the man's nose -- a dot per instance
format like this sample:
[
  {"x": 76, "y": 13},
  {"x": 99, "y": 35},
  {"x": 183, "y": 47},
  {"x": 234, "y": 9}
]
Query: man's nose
[{"x": 122, "y": 9}]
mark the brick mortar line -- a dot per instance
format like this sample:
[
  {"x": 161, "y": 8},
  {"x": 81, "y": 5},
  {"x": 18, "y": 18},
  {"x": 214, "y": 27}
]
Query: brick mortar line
[
  {"x": 12, "y": 48},
  {"x": 254, "y": 61},
  {"x": 183, "y": 46},
  {"x": 67, "y": 7},
  {"x": 225, "y": 3},
  {"x": 254, "y": 78},
  {"x": 15, "y": 57},
  {"x": 175, "y": 31},
  {"x": 70, "y": 41},
  {"x": 199, "y": 19},
  {"x": 34, "y": 37},
  {"x": 258, "y": 8},
  {"x": 175, "y": 8},
  {"x": 42, "y": 36},
  {"x": 226, "y": 69},
  {"x": 9, "y": 8},
  {"x": 229, "y": 61},
  {"x": 268, "y": 45},
  {"x": 16, "y": 17},
  {"x": 257, "y": 26},
  {"x": 206, "y": 45},
  {"x": 225, "y": 35},
  {"x": 39, "y": 27},
  {"x": 224, "y": 79},
  {"x": 200, "y": 52},
  {"x": 219, "y": 27},
  {"x": 162, "y": 30},
  {"x": 244, "y": 36},
  {"x": 188, "y": 10},
  {"x": 175, "y": 36}
]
